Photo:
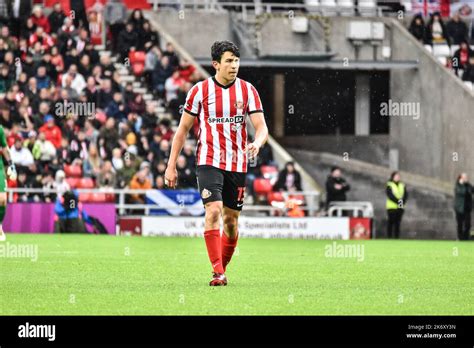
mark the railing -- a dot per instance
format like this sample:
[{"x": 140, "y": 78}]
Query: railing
[
  {"x": 311, "y": 199},
  {"x": 256, "y": 7},
  {"x": 354, "y": 209}
]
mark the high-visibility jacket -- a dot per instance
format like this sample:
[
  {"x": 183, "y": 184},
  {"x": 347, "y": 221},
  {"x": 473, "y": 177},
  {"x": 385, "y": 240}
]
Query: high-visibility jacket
[{"x": 398, "y": 191}]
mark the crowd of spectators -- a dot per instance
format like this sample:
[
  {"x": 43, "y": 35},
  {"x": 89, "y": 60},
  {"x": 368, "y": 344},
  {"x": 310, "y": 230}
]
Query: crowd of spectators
[
  {"x": 48, "y": 62},
  {"x": 454, "y": 33}
]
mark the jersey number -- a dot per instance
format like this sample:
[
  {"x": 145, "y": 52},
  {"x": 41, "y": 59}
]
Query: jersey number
[{"x": 240, "y": 197}]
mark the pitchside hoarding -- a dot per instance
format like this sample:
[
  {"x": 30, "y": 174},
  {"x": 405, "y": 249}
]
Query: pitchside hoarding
[
  {"x": 40, "y": 217},
  {"x": 259, "y": 227}
]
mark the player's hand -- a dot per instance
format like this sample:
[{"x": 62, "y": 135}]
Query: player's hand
[
  {"x": 252, "y": 150},
  {"x": 171, "y": 177},
  {"x": 11, "y": 172}
]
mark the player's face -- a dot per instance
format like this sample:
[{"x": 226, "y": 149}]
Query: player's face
[{"x": 228, "y": 67}]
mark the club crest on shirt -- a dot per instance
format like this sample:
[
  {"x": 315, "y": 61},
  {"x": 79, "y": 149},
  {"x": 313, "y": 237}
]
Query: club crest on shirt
[
  {"x": 205, "y": 193},
  {"x": 239, "y": 105}
]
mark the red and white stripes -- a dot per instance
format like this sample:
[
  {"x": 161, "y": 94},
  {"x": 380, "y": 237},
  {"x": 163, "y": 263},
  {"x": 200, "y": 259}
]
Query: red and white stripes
[{"x": 222, "y": 112}]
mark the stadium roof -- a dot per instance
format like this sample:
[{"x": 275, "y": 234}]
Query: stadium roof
[{"x": 328, "y": 64}]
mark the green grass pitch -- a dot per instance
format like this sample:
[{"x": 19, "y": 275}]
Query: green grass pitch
[{"x": 105, "y": 275}]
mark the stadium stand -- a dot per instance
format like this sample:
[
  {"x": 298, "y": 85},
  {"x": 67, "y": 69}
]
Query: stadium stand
[
  {"x": 450, "y": 43},
  {"x": 134, "y": 89},
  {"x": 63, "y": 68},
  {"x": 115, "y": 60}
]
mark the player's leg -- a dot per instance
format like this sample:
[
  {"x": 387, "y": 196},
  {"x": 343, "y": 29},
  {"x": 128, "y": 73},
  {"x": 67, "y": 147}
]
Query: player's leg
[
  {"x": 390, "y": 222},
  {"x": 230, "y": 234},
  {"x": 398, "y": 222},
  {"x": 233, "y": 198},
  {"x": 467, "y": 227},
  {"x": 210, "y": 183},
  {"x": 212, "y": 234},
  {"x": 3, "y": 204}
]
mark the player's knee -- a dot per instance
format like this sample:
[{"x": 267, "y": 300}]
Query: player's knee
[
  {"x": 230, "y": 223},
  {"x": 3, "y": 199},
  {"x": 213, "y": 213}
]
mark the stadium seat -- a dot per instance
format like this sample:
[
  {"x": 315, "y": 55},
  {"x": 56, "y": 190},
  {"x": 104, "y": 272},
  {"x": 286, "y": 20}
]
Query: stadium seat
[
  {"x": 138, "y": 69},
  {"x": 441, "y": 51},
  {"x": 328, "y": 7},
  {"x": 268, "y": 171},
  {"x": 297, "y": 198},
  {"x": 98, "y": 197},
  {"x": 137, "y": 61},
  {"x": 328, "y": 3},
  {"x": 84, "y": 197},
  {"x": 469, "y": 84},
  {"x": 140, "y": 4},
  {"x": 367, "y": 7},
  {"x": 262, "y": 186},
  {"x": 137, "y": 57},
  {"x": 110, "y": 197},
  {"x": 346, "y": 7},
  {"x": 312, "y": 5},
  {"x": 73, "y": 171},
  {"x": 408, "y": 5},
  {"x": 275, "y": 197},
  {"x": 73, "y": 182},
  {"x": 86, "y": 183}
]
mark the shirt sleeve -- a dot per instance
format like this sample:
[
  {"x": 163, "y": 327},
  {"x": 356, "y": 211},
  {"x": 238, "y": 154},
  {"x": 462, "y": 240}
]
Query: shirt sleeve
[
  {"x": 3, "y": 140},
  {"x": 193, "y": 101},
  {"x": 254, "y": 104}
]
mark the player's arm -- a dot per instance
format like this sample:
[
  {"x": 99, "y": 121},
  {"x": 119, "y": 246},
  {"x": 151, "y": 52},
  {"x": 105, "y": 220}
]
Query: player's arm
[
  {"x": 261, "y": 134},
  {"x": 11, "y": 169},
  {"x": 185, "y": 125}
]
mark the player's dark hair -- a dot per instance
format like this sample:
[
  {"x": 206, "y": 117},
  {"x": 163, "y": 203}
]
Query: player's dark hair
[{"x": 220, "y": 47}]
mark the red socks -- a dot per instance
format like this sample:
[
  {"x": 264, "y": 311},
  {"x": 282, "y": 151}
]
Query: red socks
[
  {"x": 228, "y": 247},
  {"x": 213, "y": 244}
]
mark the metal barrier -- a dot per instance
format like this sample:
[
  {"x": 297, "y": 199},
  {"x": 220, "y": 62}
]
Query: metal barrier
[
  {"x": 254, "y": 7},
  {"x": 311, "y": 199},
  {"x": 358, "y": 209}
]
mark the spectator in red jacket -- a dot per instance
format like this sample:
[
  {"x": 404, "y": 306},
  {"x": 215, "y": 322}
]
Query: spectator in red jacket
[
  {"x": 14, "y": 135},
  {"x": 40, "y": 20},
  {"x": 41, "y": 36},
  {"x": 461, "y": 57},
  {"x": 51, "y": 131},
  {"x": 187, "y": 71}
]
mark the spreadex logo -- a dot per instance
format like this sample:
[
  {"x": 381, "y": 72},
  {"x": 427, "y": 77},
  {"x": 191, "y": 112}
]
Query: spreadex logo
[{"x": 235, "y": 119}]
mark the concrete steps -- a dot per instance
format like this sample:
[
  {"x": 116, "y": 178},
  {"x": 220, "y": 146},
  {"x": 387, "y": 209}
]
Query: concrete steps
[
  {"x": 429, "y": 212},
  {"x": 126, "y": 77}
]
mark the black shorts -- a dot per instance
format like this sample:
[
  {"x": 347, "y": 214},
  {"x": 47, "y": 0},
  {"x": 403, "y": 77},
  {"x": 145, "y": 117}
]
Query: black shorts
[{"x": 216, "y": 184}]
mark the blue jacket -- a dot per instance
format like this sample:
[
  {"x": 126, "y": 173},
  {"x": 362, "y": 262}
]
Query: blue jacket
[{"x": 72, "y": 214}]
